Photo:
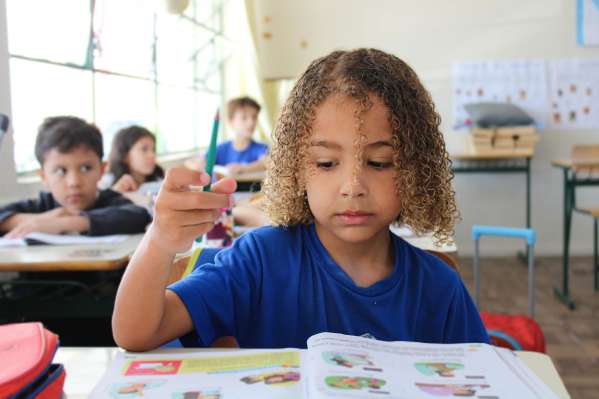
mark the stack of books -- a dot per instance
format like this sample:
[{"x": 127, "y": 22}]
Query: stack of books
[{"x": 504, "y": 138}]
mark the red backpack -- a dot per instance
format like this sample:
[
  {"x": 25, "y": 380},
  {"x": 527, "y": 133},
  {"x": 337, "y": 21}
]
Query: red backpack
[
  {"x": 514, "y": 332},
  {"x": 26, "y": 369}
]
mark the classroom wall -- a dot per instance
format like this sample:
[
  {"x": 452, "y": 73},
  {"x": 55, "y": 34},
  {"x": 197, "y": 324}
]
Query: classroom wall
[
  {"x": 430, "y": 35},
  {"x": 8, "y": 183}
]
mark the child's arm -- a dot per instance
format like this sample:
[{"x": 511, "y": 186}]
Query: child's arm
[
  {"x": 23, "y": 217},
  {"x": 145, "y": 314},
  {"x": 56, "y": 221}
]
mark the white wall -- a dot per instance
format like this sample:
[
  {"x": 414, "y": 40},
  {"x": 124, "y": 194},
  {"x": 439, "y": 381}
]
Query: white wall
[
  {"x": 8, "y": 184},
  {"x": 430, "y": 35}
]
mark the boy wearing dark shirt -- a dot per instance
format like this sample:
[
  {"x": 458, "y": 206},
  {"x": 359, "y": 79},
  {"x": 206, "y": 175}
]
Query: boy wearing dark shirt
[{"x": 70, "y": 154}]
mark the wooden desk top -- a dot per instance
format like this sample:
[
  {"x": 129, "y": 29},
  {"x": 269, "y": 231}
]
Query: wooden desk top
[
  {"x": 466, "y": 151},
  {"x": 85, "y": 367},
  {"x": 568, "y": 164},
  {"x": 476, "y": 155},
  {"x": 68, "y": 257}
]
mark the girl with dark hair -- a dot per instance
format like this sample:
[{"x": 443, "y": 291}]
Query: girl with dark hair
[{"x": 132, "y": 160}]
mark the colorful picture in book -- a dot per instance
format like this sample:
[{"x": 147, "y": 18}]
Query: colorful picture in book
[
  {"x": 456, "y": 390},
  {"x": 438, "y": 368},
  {"x": 198, "y": 394},
  {"x": 273, "y": 378},
  {"x": 134, "y": 389},
  {"x": 348, "y": 360},
  {"x": 356, "y": 383},
  {"x": 153, "y": 367}
]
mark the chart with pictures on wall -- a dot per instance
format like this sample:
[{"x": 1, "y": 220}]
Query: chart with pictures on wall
[
  {"x": 521, "y": 82},
  {"x": 574, "y": 93}
]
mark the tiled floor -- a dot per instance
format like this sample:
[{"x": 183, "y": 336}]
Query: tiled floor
[{"x": 572, "y": 336}]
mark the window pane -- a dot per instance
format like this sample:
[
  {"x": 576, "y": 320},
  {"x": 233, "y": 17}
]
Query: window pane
[
  {"x": 174, "y": 62},
  {"x": 56, "y": 30},
  {"x": 206, "y": 12},
  {"x": 122, "y": 102},
  {"x": 40, "y": 90},
  {"x": 206, "y": 105},
  {"x": 124, "y": 32},
  {"x": 185, "y": 118}
]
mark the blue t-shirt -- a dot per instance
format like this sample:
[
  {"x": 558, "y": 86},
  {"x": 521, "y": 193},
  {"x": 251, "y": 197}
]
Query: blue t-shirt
[
  {"x": 226, "y": 153},
  {"x": 278, "y": 286}
]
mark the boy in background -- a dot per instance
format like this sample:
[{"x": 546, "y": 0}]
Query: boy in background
[
  {"x": 70, "y": 152},
  {"x": 242, "y": 154}
]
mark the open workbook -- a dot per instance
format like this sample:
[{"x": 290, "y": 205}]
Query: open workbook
[{"x": 333, "y": 366}]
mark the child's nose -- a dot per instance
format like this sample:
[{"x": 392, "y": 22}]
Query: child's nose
[
  {"x": 353, "y": 184},
  {"x": 74, "y": 179}
]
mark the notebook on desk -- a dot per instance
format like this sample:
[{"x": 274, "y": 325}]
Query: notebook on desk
[{"x": 60, "y": 239}]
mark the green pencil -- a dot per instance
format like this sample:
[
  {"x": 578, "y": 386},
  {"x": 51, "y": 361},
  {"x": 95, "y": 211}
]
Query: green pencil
[{"x": 211, "y": 156}]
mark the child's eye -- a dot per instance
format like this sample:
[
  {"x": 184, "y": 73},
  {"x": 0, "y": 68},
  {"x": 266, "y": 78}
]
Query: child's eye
[
  {"x": 85, "y": 168},
  {"x": 325, "y": 165},
  {"x": 60, "y": 171},
  {"x": 379, "y": 165}
]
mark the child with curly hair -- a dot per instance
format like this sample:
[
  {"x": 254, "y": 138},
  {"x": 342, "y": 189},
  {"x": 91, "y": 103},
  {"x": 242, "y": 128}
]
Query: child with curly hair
[{"x": 356, "y": 148}]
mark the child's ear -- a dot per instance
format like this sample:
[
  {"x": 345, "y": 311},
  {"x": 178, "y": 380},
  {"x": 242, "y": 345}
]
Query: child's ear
[
  {"x": 103, "y": 166},
  {"x": 43, "y": 177}
]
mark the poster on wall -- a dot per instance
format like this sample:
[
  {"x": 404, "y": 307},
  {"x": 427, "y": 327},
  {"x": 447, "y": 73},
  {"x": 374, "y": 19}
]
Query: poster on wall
[
  {"x": 574, "y": 93},
  {"x": 521, "y": 82},
  {"x": 587, "y": 22}
]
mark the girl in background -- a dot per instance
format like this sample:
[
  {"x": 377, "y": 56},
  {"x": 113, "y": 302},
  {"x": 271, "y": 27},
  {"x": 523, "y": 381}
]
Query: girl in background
[{"x": 132, "y": 160}]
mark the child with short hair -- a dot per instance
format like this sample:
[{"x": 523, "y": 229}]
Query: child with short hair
[
  {"x": 69, "y": 151},
  {"x": 242, "y": 154},
  {"x": 356, "y": 148},
  {"x": 132, "y": 160}
]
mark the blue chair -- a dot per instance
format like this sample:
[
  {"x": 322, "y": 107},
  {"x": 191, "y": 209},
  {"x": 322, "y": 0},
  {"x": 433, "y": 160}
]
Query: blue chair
[{"x": 528, "y": 234}]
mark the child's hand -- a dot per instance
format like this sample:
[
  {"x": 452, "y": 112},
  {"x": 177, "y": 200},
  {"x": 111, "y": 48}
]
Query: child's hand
[
  {"x": 47, "y": 222},
  {"x": 182, "y": 214},
  {"x": 125, "y": 184}
]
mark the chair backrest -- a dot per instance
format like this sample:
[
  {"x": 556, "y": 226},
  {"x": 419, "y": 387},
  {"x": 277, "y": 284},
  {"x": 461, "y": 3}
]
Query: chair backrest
[
  {"x": 585, "y": 157},
  {"x": 448, "y": 259}
]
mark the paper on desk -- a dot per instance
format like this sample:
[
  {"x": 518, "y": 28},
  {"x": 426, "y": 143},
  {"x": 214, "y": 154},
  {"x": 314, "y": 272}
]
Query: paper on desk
[
  {"x": 62, "y": 239},
  {"x": 208, "y": 375}
]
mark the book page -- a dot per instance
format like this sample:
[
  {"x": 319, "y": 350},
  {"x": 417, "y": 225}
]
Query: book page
[
  {"x": 205, "y": 375},
  {"x": 343, "y": 366}
]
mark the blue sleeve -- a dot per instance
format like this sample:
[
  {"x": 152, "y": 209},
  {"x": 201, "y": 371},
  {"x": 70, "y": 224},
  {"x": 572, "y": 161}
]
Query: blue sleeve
[
  {"x": 463, "y": 323},
  {"x": 220, "y": 297}
]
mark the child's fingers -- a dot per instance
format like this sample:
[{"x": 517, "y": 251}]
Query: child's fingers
[
  {"x": 190, "y": 200},
  {"x": 180, "y": 178},
  {"x": 224, "y": 186},
  {"x": 193, "y": 218}
]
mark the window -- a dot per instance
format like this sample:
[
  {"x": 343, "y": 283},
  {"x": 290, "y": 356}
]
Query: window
[{"x": 115, "y": 62}]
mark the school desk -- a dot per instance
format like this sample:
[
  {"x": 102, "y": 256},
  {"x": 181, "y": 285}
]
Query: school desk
[
  {"x": 85, "y": 367},
  {"x": 468, "y": 159},
  {"x": 86, "y": 257},
  {"x": 68, "y": 285},
  {"x": 572, "y": 180}
]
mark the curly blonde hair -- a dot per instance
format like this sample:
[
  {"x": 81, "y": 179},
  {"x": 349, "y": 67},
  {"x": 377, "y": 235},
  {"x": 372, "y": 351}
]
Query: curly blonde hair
[{"x": 424, "y": 175}]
